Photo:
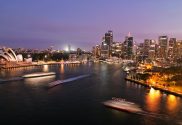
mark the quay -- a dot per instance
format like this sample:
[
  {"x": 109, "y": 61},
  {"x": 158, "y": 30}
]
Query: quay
[
  {"x": 165, "y": 90},
  {"x": 35, "y": 65}
]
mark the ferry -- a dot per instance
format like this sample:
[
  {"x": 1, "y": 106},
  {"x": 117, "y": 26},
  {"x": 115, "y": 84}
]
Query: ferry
[
  {"x": 123, "y": 105},
  {"x": 38, "y": 74}
]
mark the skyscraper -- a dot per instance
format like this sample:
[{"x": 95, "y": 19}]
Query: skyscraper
[
  {"x": 128, "y": 47},
  {"x": 96, "y": 51},
  {"x": 146, "y": 47},
  {"x": 178, "y": 49},
  {"x": 172, "y": 42},
  {"x": 163, "y": 46},
  {"x": 152, "y": 50},
  {"x": 149, "y": 48},
  {"x": 109, "y": 37},
  {"x": 116, "y": 49},
  {"x": 107, "y": 42}
]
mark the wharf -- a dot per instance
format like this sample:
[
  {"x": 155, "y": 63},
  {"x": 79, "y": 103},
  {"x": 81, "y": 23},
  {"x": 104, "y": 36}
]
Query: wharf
[
  {"x": 9, "y": 67},
  {"x": 166, "y": 90}
]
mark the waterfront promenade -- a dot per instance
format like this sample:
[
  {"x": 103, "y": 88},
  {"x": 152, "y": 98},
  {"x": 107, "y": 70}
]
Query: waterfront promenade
[
  {"x": 168, "y": 90},
  {"x": 33, "y": 64}
]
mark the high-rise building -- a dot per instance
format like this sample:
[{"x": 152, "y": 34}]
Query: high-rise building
[
  {"x": 105, "y": 51},
  {"x": 163, "y": 47},
  {"x": 152, "y": 50},
  {"x": 124, "y": 50},
  {"x": 149, "y": 49},
  {"x": 178, "y": 49},
  {"x": 128, "y": 47},
  {"x": 140, "y": 52},
  {"x": 79, "y": 52},
  {"x": 146, "y": 48},
  {"x": 172, "y": 42},
  {"x": 116, "y": 49},
  {"x": 109, "y": 37},
  {"x": 107, "y": 42},
  {"x": 96, "y": 51}
]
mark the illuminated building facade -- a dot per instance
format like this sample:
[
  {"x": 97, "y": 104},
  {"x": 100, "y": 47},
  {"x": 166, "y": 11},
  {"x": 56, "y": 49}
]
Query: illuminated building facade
[
  {"x": 7, "y": 54},
  {"x": 152, "y": 50},
  {"x": 116, "y": 49},
  {"x": 172, "y": 43},
  {"x": 178, "y": 49},
  {"x": 128, "y": 47},
  {"x": 163, "y": 47},
  {"x": 96, "y": 51},
  {"x": 107, "y": 42}
]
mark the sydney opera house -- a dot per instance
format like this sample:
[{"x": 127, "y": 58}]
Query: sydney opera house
[{"x": 7, "y": 54}]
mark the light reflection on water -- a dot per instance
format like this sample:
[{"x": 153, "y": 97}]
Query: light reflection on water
[
  {"x": 172, "y": 104},
  {"x": 153, "y": 99},
  {"x": 107, "y": 81},
  {"x": 62, "y": 68},
  {"x": 161, "y": 103},
  {"x": 45, "y": 68}
]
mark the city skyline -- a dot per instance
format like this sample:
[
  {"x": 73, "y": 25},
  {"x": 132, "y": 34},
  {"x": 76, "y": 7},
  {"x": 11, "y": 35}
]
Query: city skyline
[{"x": 32, "y": 24}]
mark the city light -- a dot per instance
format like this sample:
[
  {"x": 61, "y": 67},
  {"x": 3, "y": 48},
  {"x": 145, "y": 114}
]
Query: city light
[
  {"x": 62, "y": 68},
  {"x": 45, "y": 68},
  {"x": 172, "y": 103},
  {"x": 69, "y": 61},
  {"x": 153, "y": 99},
  {"x": 66, "y": 49}
]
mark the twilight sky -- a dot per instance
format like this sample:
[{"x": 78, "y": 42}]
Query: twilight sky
[{"x": 82, "y": 23}]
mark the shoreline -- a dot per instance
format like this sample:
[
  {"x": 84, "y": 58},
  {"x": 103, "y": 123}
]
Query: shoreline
[
  {"x": 34, "y": 65},
  {"x": 155, "y": 87}
]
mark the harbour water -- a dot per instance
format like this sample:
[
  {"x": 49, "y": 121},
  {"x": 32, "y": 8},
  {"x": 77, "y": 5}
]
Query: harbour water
[{"x": 29, "y": 101}]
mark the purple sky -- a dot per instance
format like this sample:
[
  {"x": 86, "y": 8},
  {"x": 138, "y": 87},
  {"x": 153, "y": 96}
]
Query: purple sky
[{"x": 82, "y": 23}]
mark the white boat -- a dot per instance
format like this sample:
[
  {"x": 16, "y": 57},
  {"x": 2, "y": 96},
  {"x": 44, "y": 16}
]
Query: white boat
[
  {"x": 38, "y": 74},
  {"x": 128, "y": 68},
  {"x": 123, "y": 105}
]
